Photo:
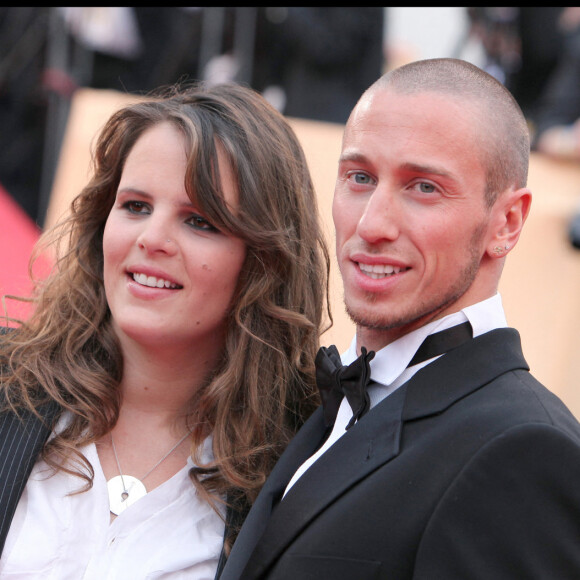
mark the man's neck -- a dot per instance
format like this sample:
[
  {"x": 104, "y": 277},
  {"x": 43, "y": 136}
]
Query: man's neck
[{"x": 483, "y": 315}]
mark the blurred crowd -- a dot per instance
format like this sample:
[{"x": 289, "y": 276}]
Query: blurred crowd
[
  {"x": 310, "y": 62},
  {"x": 535, "y": 52}
]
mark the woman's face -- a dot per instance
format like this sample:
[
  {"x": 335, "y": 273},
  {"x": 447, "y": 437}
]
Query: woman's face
[{"x": 169, "y": 274}]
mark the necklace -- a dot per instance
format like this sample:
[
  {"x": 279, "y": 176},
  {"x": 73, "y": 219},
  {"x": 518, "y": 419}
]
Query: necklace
[{"x": 125, "y": 490}]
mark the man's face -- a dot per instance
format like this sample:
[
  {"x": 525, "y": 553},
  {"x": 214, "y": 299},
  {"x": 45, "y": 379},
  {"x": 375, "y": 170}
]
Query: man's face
[{"x": 411, "y": 221}]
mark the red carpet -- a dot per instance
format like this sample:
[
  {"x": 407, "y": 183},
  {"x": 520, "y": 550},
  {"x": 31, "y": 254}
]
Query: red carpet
[{"x": 18, "y": 234}]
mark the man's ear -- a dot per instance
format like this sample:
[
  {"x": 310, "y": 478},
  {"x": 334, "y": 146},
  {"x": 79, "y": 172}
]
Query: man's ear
[{"x": 509, "y": 214}]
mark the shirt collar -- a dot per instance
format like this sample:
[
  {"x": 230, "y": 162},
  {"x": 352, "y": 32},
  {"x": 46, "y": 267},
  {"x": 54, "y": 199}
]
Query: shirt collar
[{"x": 390, "y": 362}]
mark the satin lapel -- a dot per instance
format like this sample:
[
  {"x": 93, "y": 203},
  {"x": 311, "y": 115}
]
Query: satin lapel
[
  {"x": 302, "y": 446},
  {"x": 368, "y": 444},
  {"x": 463, "y": 370}
]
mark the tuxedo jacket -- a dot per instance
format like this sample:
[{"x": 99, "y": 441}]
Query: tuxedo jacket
[{"x": 471, "y": 470}]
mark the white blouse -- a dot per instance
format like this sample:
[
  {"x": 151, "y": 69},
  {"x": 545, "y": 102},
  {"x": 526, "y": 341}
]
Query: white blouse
[{"x": 170, "y": 533}]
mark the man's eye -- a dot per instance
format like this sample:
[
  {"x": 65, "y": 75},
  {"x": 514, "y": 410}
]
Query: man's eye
[
  {"x": 426, "y": 187},
  {"x": 361, "y": 178}
]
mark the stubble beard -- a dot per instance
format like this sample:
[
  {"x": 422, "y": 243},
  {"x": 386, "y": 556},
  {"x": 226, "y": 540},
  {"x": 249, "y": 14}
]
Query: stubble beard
[{"x": 370, "y": 317}]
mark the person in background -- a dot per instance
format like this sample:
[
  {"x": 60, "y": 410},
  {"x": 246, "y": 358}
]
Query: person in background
[
  {"x": 436, "y": 454},
  {"x": 170, "y": 355},
  {"x": 556, "y": 128},
  {"x": 557, "y": 123},
  {"x": 314, "y": 61}
]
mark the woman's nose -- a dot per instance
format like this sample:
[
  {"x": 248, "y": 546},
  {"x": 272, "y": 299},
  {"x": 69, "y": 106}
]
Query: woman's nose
[{"x": 156, "y": 237}]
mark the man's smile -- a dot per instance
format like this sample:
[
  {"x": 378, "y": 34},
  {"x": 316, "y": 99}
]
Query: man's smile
[{"x": 378, "y": 271}]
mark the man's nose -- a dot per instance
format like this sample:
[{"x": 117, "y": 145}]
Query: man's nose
[{"x": 380, "y": 218}]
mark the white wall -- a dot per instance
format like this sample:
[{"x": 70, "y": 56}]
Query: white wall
[{"x": 421, "y": 32}]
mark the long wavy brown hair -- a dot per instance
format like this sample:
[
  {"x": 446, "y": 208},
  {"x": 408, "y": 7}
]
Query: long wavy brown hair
[{"x": 263, "y": 387}]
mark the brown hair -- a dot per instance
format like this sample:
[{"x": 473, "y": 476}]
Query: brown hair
[
  {"x": 501, "y": 126},
  {"x": 263, "y": 388}
]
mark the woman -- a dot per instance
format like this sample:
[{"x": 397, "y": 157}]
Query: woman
[{"x": 171, "y": 352}]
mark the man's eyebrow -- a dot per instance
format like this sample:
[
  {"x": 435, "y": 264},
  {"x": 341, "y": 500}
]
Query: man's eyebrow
[
  {"x": 425, "y": 169},
  {"x": 352, "y": 156},
  {"x": 408, "y": 167}
]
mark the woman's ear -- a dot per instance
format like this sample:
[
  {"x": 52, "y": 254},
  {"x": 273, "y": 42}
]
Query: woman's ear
[{"x": 511, "y": 210}]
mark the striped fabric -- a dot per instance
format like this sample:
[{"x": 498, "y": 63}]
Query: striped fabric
[{"x": 21, "y": 440}]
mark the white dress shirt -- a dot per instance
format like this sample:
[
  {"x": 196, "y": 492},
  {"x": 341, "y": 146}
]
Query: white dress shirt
[
  {"x": 389, "y": 366},
  {"x": 171, "y": 533}
]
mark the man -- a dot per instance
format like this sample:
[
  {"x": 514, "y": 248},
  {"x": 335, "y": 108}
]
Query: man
[{"x": 465, "y": 467}]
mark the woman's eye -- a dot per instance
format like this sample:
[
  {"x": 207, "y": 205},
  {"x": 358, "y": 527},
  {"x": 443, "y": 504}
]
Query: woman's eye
[
  {"x": 136, "y": 207},
  {"x": 200, "y": 223}
]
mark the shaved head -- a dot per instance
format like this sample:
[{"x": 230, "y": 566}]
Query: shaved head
[{"x": 500, "y": 124}]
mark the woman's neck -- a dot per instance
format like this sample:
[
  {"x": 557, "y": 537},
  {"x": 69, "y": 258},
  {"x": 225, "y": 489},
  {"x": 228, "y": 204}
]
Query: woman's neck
[{"x": 163, "y": 380}]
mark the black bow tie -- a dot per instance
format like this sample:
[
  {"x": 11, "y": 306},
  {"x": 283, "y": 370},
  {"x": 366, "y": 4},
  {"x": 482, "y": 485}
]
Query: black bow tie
[{"x": 336, "y": 381}]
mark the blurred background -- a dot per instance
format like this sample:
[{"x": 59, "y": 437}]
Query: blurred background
[{"x": 63, "y": 70}]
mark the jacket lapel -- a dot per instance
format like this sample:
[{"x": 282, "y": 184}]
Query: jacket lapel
[
  {"x": 21, "y": 440},
  {"x": 302, "y": 446},
  {"x": 463, "y": 370},
  {"x": 368, "y": 445}
]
